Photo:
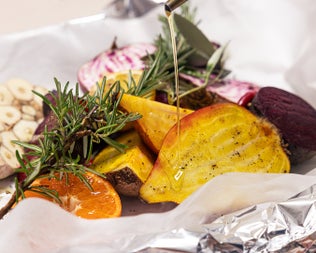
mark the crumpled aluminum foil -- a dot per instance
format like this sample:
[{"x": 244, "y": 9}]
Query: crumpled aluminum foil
[{"x": 288, "y": 226}]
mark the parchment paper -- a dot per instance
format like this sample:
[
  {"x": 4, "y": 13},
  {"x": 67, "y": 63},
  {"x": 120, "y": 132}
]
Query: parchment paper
[{"x": 270, "y": 43}]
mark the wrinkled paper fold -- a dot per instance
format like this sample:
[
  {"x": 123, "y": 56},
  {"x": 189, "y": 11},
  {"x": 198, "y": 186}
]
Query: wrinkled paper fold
[{"x": 44, "y": 227}]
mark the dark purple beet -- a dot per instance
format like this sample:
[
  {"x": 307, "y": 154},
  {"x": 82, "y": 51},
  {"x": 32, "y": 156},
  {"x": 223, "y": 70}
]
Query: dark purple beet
[
  {"x": 49, "y": 96},
  {"x": 161, "y": 96},
  {"x": 294, "y": 117}
]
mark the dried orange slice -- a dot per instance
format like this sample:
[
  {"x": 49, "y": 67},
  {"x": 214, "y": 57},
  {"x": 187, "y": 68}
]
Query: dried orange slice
[{"x": 77, "y": 198}]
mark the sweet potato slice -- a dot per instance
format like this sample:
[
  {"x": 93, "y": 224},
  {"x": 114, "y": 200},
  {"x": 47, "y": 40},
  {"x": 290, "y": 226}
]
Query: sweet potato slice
[
  {"x": 214, "y": 140},
  {"x": 126, "y": 171},
  {"x": 157, "y": 118}
]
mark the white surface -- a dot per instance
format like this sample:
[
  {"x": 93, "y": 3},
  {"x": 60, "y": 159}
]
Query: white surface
[
  {"x": 42, "y": 227},
  {"x": 20, "y": 15}
]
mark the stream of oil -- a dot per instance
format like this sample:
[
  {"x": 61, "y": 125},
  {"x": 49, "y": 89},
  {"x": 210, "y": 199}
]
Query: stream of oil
[{"x": 178, "y": 175}]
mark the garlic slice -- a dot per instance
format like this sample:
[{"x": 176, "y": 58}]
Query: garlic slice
[{"x": 20, "y": 114}]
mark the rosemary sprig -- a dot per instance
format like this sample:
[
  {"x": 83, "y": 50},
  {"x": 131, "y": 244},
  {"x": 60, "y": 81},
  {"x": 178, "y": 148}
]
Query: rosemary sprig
[
  {"x": 159, "y": 75},
  {"x": 66, "y": 146},
  {"x": 160, "y": 71},
  {"x": 87, "y": 120},
  {"x": 210, "y": 67}
]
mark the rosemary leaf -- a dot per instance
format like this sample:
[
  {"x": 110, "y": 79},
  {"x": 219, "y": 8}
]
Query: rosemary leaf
[{"x": 80, "y": 121}]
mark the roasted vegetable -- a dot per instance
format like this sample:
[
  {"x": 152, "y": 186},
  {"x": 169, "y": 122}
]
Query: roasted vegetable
[
  {"x": 157, "y": 118},
  {"x": 115, "y": 59},
  {"x": 212, "y": 141},
  {"x": 126, "y": 171},
  {"x": 128, "y": 80},
  {"x": 228, "y": 90},
  {"x": 294, "y": 117}
]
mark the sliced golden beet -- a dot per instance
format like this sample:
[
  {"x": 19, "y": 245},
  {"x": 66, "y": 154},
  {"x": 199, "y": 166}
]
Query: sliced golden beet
[
  {"x": 214, "y": 140},
  {"x": 126, "y": 171},
  {"x": 125, "y": 78},
  {"x": 157, "y": 118}
]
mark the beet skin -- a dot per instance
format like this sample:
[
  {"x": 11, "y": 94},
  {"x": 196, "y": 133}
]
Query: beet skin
[{"x": 294, "y": 118}]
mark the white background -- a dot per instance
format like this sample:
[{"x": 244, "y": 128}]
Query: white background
[{"x": 21, "y": 15}]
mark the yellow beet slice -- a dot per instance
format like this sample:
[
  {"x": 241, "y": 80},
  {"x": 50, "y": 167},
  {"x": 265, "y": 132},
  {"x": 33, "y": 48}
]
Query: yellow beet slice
[
  {"x": 124, "y": 77},
  {"x": 157, "y": 118},
  {"x": 214, "y": 140},
  {"x": 126, "y": 171}
]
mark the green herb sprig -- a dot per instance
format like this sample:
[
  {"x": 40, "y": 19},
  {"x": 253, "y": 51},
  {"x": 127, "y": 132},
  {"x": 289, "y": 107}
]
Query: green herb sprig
[
  {"x": 79, "y": 121},
  {"x": 190, "y": 52},
  {"x": 87, "y": 120}
]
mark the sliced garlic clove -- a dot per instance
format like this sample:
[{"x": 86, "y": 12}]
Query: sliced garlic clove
[
  {"x": 28, "y": 109},
  {"x": 6, "y": 97},
  {"x": 9, "y": 114},
  {"x": 2, "y": 128},
  {"x": 27, "y": 117},
  {"x": 7, "y": 139},
  {"x": 21, "y": 89},
  {"x": 41, "y": 90},
  {"x": 5, "y": 169},
  {"x": 20, "y": 114},
  {"x": 8, "y": 157},
  {"x": 25, "y": 129}
]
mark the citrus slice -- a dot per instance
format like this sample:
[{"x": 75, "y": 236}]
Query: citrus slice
[{"x": 102, "y": 202}]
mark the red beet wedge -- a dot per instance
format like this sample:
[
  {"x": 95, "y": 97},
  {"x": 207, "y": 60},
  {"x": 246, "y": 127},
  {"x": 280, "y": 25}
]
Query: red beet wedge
[{"x": 294, "y": 117}]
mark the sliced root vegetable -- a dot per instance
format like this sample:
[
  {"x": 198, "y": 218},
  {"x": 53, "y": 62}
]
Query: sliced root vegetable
[
  {"x": 198, "y": 99},
  {"x": 214, "y": 140},
  {"x": 129, "y": 170},
  {"x": 228, "y": 89},
  {"x": 124, "y": 78},
  {"x": 157, "y": 118},
  {"x": 113, "y": 60},
  {"x": 233, "y": 90},
  {"x": 294, "y": 117}
]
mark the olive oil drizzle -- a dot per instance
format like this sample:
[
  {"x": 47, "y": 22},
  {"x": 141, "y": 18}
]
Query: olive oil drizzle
[{"x": 179, "y": 171}]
